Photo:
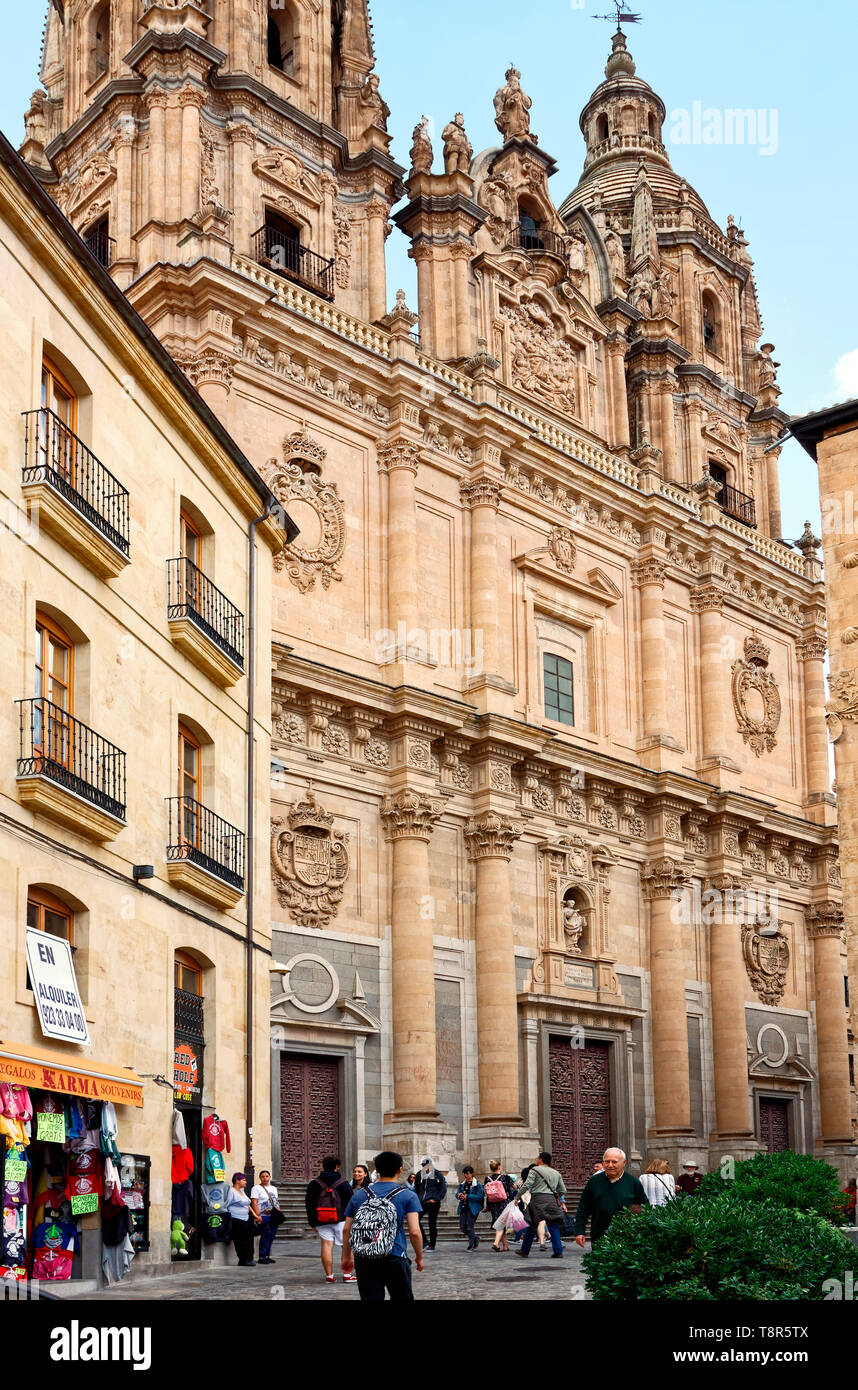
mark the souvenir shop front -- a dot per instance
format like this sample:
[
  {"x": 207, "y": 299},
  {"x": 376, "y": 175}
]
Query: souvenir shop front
[{"x": 70, "y": 1189}]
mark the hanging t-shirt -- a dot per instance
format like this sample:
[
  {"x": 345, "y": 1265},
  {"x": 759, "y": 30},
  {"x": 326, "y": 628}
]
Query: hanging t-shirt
[
  {"x": 109, "y": 1131},
  {"x": 182, "y": 1165},
  {"x": 56, "y": 1235},
  {"x": 215, "y": 1167},
  {"x": 52, "y": 1265},
  {"x": 85, "y": 1173},
  {"x": 217, "y": 1226},
  {"x": 16, "y": 1194},
  {"x": 13, "y": 1244},
  {"x": 15, "y": 1101},
  {"x": 215, "y": 1196},
  {"x": 216, "y": 1134}
]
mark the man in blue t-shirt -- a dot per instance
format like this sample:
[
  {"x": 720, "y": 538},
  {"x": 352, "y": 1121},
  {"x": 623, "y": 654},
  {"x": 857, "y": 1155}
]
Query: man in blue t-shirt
[{"x": 391, "y": 1273}]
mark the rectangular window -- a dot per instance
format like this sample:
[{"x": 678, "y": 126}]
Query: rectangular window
[
  {"x": 851, "y": 1070},
  {"x": 58, "y": 441},
  {"x": 46, "y": 913},
  {"x": 557, "y": 676},
  {"x": 190, "y": 786}
]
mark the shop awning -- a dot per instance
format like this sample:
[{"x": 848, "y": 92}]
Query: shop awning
[{"x": 76, "y": 1076}]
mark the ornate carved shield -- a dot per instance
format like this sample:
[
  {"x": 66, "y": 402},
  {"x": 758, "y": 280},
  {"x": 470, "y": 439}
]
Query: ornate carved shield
[
  {"x": 311, "y": 855},
  {"x": 766, "y": 961}
]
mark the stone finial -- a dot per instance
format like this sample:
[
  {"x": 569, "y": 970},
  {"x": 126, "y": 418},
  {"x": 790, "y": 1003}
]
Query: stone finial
[
  {"x": 458, "y": 149},
  {"x": 512, "y": 108},
  {"x": 482, "y": 361},
  {"x": 707, "y": 487},
  {"x": 621, "y": 62},
  {"x": 400, "y": 320},
  {"x": 421, "y": 148},
  {"x": 808, "y": 543}
]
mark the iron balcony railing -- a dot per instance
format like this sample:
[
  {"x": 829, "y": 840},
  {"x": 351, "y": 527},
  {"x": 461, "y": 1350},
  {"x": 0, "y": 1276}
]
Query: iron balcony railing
[
  {"x": 102, "y": 246},
  {"x": 54, "y": 454},
  {"x": 188, "y": 1014},
  {"x": 737, "y": 504},
  {"x": 539, "y": 239},
  {"x": 288, "y": 257},
  {"x": 202, "y": 838},
  {"x": 55, "y": 745},
  {"x": 190, "y": 594}
]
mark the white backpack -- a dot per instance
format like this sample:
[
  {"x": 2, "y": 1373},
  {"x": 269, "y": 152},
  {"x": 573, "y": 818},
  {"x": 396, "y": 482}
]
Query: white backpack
[{"x": 375, "y": 1226}]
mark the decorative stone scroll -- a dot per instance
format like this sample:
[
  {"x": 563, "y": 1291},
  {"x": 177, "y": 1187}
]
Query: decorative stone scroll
[
  {"x": 298, "y": 479},
  {"x": 310, "y": 863},
  {"x": 842, "y": 707},
  {"x": 767, "y": 958},
  {"x": 751, "y": 675}
]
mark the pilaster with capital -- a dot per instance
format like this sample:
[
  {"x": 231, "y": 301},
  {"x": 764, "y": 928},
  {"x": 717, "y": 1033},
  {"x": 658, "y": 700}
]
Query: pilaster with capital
[
  {"x": 398, "y": 460},
  {"x": 729, "y": 985},
  {"x": 648, "y": 577},
  {"x": 666, "y": 884},
  {"x": 482, "y": 496},
  {"x": 242, "y": 141},
  {"x": 810, "y": 653},
  {"x": 408, "y": 818},
  {"x": 156, "y": 102},
  {"x": 191, "y": 102},
  {"x": 490, "y": 839},
  {"x": 825, "y": 929},
  {"x": 707, "y": 601}
]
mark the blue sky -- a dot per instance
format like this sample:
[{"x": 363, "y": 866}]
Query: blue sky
[{"x": 797, "y": 204}]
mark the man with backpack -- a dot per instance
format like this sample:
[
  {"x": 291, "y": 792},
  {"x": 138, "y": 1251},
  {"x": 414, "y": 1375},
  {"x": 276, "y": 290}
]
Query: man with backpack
[
  {"x": 326, "y": 1200},
  {"x": 374, "y": 1244}
]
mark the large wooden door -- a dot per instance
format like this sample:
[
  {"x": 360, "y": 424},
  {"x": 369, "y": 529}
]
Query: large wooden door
[
  {"x": 309, "y": 1115},
  {"x": 774, "y": 1124},
  {"x": 579, "y": 1079}
]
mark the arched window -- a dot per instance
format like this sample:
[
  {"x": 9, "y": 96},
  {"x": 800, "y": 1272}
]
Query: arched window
[
  {"x": 188, "y": 974},
  {"x": 48, "y": 913},
  {"x": 281, "y": 41},
  {"x": 652, "y": 125},
  {"x": 529, "y": 233},
  {"x": 711, "y": 315},
  {"x": 601, "y": 128},
  {"x": 628, "y": 119},
  {"x": 100, "y": 40}
]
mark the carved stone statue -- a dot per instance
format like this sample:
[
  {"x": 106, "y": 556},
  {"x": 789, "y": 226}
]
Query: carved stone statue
[
  {"x": 577, "y": 253},
  {"x": 512, "y": 108},
  {"x": 616, "y": 254},
  {"x": 768, "y": 368},
  {"x": 573, "y": 928},
  {"x": 458, "y": 149},
  {"x": 421, "y": 149},
  {"x": 371, "y": 98},
  {"x": 35, "y": 121},
  {"x": 640, "y": 293},
  {"x": 662, "y": 297}
]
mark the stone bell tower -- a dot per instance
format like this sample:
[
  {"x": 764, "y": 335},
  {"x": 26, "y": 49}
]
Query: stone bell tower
[{"x": 180, "y": 135}]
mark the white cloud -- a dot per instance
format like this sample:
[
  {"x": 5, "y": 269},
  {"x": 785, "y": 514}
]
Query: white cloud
[{"x": 846, "y": 374}]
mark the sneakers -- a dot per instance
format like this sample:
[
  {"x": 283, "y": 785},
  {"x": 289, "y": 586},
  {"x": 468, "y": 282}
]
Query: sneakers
[
  {"x": 267, "y": 1260},
  {"x": 330, "y": 1278},
  {"x": 349, "y": 1278}
]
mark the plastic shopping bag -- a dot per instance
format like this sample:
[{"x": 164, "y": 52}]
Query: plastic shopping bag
[{"x": 512, "y": 1218}]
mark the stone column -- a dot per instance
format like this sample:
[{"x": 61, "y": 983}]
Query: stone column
[
  {"x": 773, "y": 494},
  {"x": 242, "y": 139},
  {"x": 409, "y": 818},
  {"x": 810, "y": 651},
  {"x": 663, "y": 885},
  {"x": 461, "y": 253},
  {"x": 157, "y": 104},
  {"x": 173, "y": 180},
  {"x": 490, "y": 839},
  {"x": 825, "y": 928},
  {"x": 124, "y": 145},
  {"x": 648, "y": 576},
  {"x": 377, "y": 214},
  {"x": 191, "y": 100},
  {"x": 616, "y": 347},
  {"x": 399, "y": 460},
  {"x": 729, "y": 1029},
  {"x": 707, "y": 600},
  {"x": 668, "y": 430},
  {"x": 483, "y": 497}
]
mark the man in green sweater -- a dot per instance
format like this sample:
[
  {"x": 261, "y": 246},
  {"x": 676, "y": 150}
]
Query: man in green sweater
[{"x": 606, "y": 1194}]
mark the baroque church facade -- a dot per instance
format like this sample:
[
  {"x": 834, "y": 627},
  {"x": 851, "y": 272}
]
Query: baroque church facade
[{"x": 553, "y": 843}]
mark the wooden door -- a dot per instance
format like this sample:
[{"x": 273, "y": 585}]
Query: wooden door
[
  {"x": 774, "y": 1124},
  {"x": 579, "y": 1079},
  {"x": 309, "y": 1115}
]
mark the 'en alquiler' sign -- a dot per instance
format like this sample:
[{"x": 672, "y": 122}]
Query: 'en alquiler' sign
[{"x": 49, "y": 960}]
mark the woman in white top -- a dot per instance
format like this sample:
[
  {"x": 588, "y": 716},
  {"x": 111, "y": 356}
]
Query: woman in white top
[
  {"x": 265, "y": 1196},
  {"x": 658, "y": 1183}
]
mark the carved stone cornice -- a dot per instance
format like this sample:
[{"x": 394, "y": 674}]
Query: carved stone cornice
[
  {"x": 491, "y": 836},
  {"x": 410, "y": 815},
  {"x": 824, "y": 919},
  {"x": 649, "y": 571},
  {"x": 399, "y": 453},
  {"x": 663, "y": 878},
  {"x": 481, "y": 492}
]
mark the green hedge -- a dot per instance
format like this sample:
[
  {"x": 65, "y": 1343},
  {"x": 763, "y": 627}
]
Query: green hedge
[
  {"x": 797, "y": 1181},
  {"x": 717, "y": 1248}
]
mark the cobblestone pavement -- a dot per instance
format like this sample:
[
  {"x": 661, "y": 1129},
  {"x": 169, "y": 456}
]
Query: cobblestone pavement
[{"x": 451, "y": 1272}]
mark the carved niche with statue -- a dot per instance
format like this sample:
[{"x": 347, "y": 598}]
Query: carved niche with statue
[{"x": 575, "y": 935}]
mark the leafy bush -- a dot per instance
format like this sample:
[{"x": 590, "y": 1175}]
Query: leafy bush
[
  {"x": 788, "y": 1179},
  {"x": 717, "y": 1248}
]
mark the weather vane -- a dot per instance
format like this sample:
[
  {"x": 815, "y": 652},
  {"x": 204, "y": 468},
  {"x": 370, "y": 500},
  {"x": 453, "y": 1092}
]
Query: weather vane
[{"x": 621, "y": 15}]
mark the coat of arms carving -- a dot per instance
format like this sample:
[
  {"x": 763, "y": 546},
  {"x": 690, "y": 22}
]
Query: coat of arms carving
[
  {"x": 298, "y": 484},
  {"x": 766, "y": 961},
  {"x": 542, "y": 363},
  {"x": 310, "y": 862},
  {"x": 756, "y": 699}
]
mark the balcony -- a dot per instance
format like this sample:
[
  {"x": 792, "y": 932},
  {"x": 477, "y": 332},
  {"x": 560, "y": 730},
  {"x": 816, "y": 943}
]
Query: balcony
[
  {"x": 737, "y": 504},
  {"x": 102, "y": 246},
  {"x": 283, "y": 254},
  {"x": 188, "y": 1015},
  {"x": 540, "y": 241},
  {"x": 203, "y": 623},
  {"x": 69, "y": 772},
  {"x": 79, "y": 501},
  {"x": 205, "y": 855}
]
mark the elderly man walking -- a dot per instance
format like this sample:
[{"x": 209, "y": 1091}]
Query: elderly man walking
[
  {"x": 547, "y": 1190},
  {"x": 605, "y": 1194}
]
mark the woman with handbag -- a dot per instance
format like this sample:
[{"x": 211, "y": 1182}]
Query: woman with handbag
[
  {"x": 500, "y": 1190},
  {"x": 658, "y": 1183},
  {"x": 268, "y": 1206}
]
